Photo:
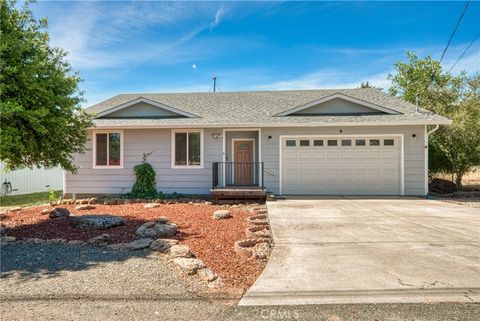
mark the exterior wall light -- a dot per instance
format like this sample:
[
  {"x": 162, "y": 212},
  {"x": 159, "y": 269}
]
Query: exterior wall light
[{"x": 217, "y": 136}]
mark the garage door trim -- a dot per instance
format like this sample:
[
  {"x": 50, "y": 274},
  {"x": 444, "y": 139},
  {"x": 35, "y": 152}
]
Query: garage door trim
[{"x": 400, "y": 136}]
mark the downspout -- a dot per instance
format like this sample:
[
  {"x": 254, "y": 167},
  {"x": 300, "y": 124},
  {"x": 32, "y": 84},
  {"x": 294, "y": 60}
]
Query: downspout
[{"x": 426, "y": 154}]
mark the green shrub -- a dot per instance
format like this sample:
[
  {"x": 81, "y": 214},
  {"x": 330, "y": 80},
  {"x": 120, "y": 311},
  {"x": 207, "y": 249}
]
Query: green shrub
[
  {"x": 52, "y": 197},
  {"x": 145, "y": 185}
]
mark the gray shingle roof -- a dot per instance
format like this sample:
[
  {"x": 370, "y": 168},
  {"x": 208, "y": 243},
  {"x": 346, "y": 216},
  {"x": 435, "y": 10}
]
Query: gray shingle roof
[{"x": 258, "y": 108}]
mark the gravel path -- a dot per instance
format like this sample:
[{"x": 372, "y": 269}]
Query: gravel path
[{"x": 61, "y": 282}]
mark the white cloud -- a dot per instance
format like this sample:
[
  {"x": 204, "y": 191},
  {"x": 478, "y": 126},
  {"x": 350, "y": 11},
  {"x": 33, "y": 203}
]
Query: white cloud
[
  {"x": 194, "y": 66},
  {"x": 218, "y": 17}
]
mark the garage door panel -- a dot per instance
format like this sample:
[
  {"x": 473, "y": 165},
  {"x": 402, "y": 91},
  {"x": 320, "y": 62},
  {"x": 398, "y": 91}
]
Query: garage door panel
[{"x": 337, "y": 170}]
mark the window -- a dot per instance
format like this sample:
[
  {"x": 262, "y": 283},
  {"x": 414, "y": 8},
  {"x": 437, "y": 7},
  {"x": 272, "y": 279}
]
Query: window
[
  {"x": 291, "y": 143},
  {"x": 304, "y": 142},
  {"x": 360, "y": 142},
  {"x": 187, "y": 147},
  {"x": 374, "y": 142},
  {"x": 388, "y": 142},
  {"x": 346, "y": 142},
  {"x": 332, "y": 142},
  {"x": 318, "y": 142},
  {"x": 107, "y": 149}
]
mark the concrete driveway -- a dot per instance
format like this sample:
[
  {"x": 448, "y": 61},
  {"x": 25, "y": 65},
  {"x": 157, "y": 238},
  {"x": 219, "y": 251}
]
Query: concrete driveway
[{"x": 360, "y": 250}]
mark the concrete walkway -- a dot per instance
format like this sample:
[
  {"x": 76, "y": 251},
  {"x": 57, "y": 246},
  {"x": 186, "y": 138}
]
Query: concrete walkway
[{"x": 360, "y": 250}]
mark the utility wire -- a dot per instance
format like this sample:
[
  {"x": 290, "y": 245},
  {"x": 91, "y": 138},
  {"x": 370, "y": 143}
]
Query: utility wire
[
  {"x": 455, "y": 30},
  {"x": 464, "y": 52}
]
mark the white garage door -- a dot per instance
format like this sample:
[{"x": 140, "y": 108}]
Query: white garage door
[{"x": 341, "y": 166}]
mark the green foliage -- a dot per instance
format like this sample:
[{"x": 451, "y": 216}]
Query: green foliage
[
  {"x": 52, "y": 196},
  {"x": 366, "y": 84},
  {"x": 145, "y": 185},
  {"x": 42, "y": 122},
  {"x": 28, "y": 199},
  {"x": 453, "y": 149}
]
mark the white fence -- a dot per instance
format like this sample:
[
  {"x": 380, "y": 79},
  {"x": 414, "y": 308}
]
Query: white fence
[{"x": 26, "y": 181}]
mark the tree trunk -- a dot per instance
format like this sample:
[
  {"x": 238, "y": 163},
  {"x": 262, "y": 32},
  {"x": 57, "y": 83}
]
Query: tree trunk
[{"x": 458, "y": 181}]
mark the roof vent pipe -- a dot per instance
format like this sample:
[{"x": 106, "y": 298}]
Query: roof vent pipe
[{"x": 416, "y": 103}]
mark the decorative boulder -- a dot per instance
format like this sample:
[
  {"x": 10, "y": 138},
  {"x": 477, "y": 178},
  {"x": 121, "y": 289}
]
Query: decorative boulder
[
  {"x": 180, "y": 251},
  {"x": 59, "y": 212},
  {"x": 162, "y": 245},
  {"x": 85, "y": 207},
  {"x": 139, "y": 244},
  {"x": 221, "y": 214},
  {"x": 156, "y": 230},
  {"x": 151, "y": 205},
  {"x": 162, "y": 220},
  {"x": 207, "y": 274},
  {"x": 14, "y": 209},
  {"x": 99, "y": 240},
  {"x": 96, "y": 222},
  {"x": 189, "y": 266},
  {"x": 7, "y": 239}
]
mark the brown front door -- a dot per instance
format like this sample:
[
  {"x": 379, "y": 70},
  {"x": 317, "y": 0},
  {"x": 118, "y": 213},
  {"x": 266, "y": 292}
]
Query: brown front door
[{"x": 243, "y": 167}]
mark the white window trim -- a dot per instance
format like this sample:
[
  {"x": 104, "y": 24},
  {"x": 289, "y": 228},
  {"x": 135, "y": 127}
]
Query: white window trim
[
  {"x": 94, "y": 149},
  {"x": 175, "y": 131}
]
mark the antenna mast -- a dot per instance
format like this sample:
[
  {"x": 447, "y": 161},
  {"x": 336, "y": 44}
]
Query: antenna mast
[{"x": 214, "y": 83}]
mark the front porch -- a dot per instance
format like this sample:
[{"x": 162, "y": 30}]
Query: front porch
[{"x": 238, "y": 180}]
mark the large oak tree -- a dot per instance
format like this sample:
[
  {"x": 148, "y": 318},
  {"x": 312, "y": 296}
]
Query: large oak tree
[
  {"x": 453, "y": 149},
  {"x": 42, "y": 123}
]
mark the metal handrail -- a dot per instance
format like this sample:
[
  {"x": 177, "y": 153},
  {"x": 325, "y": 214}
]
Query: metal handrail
[{"x": 237, "y": 174}]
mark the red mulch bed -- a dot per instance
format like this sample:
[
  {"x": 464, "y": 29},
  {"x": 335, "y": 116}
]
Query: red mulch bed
[{"x": 210, "y": 240}]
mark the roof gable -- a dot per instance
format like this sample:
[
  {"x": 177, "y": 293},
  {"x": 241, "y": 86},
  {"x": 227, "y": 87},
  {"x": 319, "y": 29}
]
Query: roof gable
[
  {"x": 143, "y": 108},
  {"x": 338, "y": 104}
]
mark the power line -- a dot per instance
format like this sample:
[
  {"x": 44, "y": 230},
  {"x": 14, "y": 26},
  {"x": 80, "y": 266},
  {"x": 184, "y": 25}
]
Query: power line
[
  {"x": 455, "y": 30},
  {"x": 464, "y": 52}
]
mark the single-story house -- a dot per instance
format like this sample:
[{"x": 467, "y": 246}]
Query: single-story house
[{"x": 297, "y": 142}]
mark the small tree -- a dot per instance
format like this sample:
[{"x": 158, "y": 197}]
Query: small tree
[
  {"x": 42, "y": 123},
  {"x": 453, "y": 149},
  {"x": 145, "y": 185}
]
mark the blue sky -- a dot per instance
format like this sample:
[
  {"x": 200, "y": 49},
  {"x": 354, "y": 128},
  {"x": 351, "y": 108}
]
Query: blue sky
[{"x": 122, "y": 47}]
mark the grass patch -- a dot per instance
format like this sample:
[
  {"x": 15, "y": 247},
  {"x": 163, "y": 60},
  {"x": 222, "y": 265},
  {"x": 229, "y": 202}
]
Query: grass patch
[{"x": 27, "y": 199}]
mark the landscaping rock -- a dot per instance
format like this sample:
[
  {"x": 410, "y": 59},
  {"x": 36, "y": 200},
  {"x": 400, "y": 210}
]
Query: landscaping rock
[
  {"x": 99, "y": 240},
  {"x": 3, "y": 215},
  {"x": 208, "y": 203},
  {"x": 151, "y": 205},
  {"x": 45, "y": 211},
  {"x": 97, "y": 222},
  {"x": 139, "y": 244},
  {"x": 3, "y": 229},
  {"x": 56, "y": 241},
  {"x": 156, "y": 230},
  {"x": 215, "y": 284},
  {"x": 162, "y": 245},
  {"x": 162, "y": 220},
  {"x": 93, "y": 201},
  {"x": 188, "y": 265},
  {"x": 207, "y": 274},
  {"x": 75, "y": 242},
  {"x": 85, "y": 207},
  {"x": 35, "y": 240},
  {"x": 7, "y": 239},
  {"x": 59, "y": 212},
  {"x": 221, "y": 214},
  {"x": 180, "y": 251},
  {"x": 15, "y": 209}
]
